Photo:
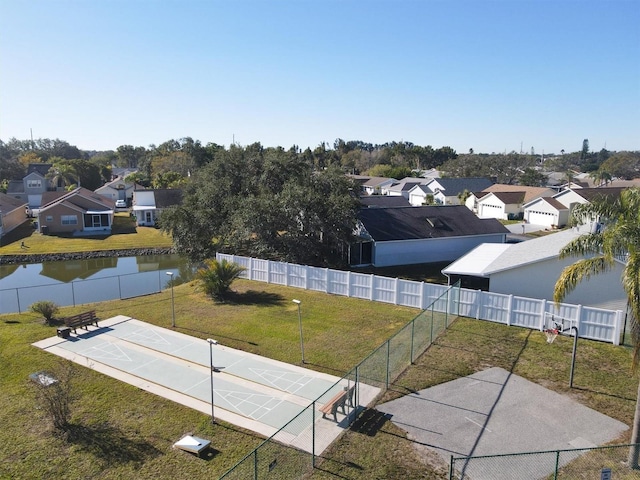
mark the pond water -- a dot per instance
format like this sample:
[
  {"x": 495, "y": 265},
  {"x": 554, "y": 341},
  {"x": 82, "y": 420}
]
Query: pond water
[{"x": 72, "y": 282}]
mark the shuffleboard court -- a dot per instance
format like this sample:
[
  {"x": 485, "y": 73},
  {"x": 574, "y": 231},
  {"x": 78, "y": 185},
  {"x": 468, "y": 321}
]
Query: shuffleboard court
[{"x": 251, "y": 391}]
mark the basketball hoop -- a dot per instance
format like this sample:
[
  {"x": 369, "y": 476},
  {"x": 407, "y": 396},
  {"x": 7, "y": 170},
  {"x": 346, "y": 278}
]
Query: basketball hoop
[{"x": 551, "y": 334}]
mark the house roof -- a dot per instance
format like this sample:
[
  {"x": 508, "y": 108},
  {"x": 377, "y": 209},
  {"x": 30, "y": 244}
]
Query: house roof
[
  {"x": 9, "y": 203},
  {"x": 508, "y": 198},
  {"x": 490, "y": 258},
  {"x": 590, "y": 194},
  {"x": 51, "y": 198},
  {"x": 530, "y": 193},
  {"x": 412, "y": 223},
  {"x": 404, "y": 186},
  {"x": 385, "y": 201},
  {"x": 550, "y": 200},
  {"x": 453, "y": 186},
  {"x": 377, "y": 181},
  {"x": 15, "y": 186},
  {"x": 41, "y": 168}
]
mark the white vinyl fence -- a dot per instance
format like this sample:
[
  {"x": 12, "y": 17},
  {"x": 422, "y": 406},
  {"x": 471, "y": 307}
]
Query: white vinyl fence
[{"x": 591, "y": 323}]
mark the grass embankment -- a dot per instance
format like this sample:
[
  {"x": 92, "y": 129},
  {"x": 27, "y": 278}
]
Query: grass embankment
[
  {"x": 125, "y": 235},
  {"x": 122, "y": 432}
]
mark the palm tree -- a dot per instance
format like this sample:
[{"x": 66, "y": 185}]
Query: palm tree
[
  {"x": 618, "y": 239},
  {"x": 217, "y": 276},
  {"x": 62, "y": 175}
]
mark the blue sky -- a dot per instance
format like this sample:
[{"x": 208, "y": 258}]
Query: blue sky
[{"x": 494, "y": 76}]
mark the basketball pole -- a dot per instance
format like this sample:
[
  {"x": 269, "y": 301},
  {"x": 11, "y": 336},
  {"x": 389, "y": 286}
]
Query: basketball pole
[{"x": 573, "y": 354}]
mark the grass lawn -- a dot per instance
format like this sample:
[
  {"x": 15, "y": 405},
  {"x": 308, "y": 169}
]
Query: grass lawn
[
  {"x": 125, "y": 235},
  {"x": 122, "y": 432}
]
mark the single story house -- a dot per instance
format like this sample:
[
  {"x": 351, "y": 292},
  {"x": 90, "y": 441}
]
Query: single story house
[
  {"x": 80, "y": 211},
  {"x": 500, "y": 205},
  {"x": 375, "y": 185},
  {"x": 547, "y": 212},
  {"x": 148, "y": 204},
  {"x": 448, "y": 191},
  {"x": 427, "y": 234},
  {"x": 531, "y": 269},
  {"x": 12, "y": 213}
]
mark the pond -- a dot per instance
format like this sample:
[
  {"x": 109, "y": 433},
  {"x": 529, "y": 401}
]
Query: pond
[{"x": 72, "y": 282}]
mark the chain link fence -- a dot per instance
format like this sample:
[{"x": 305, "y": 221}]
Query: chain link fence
[
  {"x": 360, "y": 388},
  {"x": 609, "y": 462}
]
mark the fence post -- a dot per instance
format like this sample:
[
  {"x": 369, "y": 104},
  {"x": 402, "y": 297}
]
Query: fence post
[
  {"x": 578, "y": 319},
  {"x": 371, "y": 287},
  {"x": 421, "y": 296},
  {"x": 509, "y": 310},
  {"x": 119, "y": 288},
  {"x": 73, "y": 294},
  {"x": 18, "y": 298},
  {"x": 617, "y": 328},
  {"x": 255, "y": 464},
  {"x": 478, "y": 304},
  {"x": 313, "y": 434},
  {"x": 541, "y": 325},
  {"x": 286, "y": 275},
  {"x": 395, "y": 292},
  {"x": 349, "y": 283},
  {"x": 413, "y": 328},
  {"x": 388, "y": 360},
  {"x": 269, "y": 271}
]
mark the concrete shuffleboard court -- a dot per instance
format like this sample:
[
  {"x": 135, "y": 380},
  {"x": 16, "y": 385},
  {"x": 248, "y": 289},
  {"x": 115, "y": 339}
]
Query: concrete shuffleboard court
[
  {"x": 250, "y": 391},
  {"x": 494, "y": 412}
]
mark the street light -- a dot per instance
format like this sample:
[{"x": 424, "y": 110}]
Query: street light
[
  {"x": 211, "y": 342},
  {"x": 298, "y": 302},
  {"x": 173, "y": 306}
]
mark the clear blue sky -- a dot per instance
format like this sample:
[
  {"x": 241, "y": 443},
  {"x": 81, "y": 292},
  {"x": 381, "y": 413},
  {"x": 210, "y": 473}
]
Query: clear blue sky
[{"x": 488, "y": 75}]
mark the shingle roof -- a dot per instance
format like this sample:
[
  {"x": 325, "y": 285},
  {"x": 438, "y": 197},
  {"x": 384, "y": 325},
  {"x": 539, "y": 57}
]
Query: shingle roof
[
  {"x": 509, "y": 198},
  {"x": 454, "y": 186},
  {"x": 530, "y": 193},
  {"x": 9, "y": 203},
  {"x": 386, "y": 224},
  {"x": 590, "y": 194},
  {"x": 384, "y": 201},
  {"x": 41, "y": 168}
]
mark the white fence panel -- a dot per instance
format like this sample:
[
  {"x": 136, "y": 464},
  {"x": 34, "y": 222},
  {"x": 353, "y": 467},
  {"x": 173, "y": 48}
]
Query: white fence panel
[
  {"x": 494, "y": 307},
  {"x": 431, "y": 292},
  {"x": 599, "y": 324},
  {"x": 384, "y": 289},
  {"x": 298, "y": 275},
  {"x": 278, "y": 273},
  {"x": 527, "y": 312},
  {"x": 468, "y": 303},
  {"x": 338, "y": 282},
  {"x": 409, "y": 293},
  {"x": 317, "y": 279},
  {"x": 361, "y": 285},
  {"x": 259, "y": 269}
]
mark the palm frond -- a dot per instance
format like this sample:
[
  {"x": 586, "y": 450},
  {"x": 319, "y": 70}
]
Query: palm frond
[
  {"x": 575, "y": 273},
  {"x": 631, "y": 285},
  {"x": 589, "y": 244}
]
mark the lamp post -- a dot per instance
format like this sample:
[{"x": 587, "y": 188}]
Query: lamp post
[
  {"x": 211, "y": 342},
  {"x": 298, "y": 302},
  {"x": 173, "y": 306}
]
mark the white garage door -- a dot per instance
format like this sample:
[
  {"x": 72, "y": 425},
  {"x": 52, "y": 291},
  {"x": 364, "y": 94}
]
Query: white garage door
[{"x": 541, "y": 218}]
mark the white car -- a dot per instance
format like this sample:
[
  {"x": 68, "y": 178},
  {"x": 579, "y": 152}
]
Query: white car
[{"x": 121, "y": 204}]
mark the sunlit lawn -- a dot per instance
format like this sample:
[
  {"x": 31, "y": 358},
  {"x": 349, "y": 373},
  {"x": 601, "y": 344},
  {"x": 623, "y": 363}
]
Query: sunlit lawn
[{"x": 125, "y": 236}]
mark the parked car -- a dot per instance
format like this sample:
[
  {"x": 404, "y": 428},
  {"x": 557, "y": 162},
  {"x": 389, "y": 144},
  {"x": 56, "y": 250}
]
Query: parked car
[{"x": 121, "y": 204}]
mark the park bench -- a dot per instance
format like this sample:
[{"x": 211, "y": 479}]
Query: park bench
[
  {"x": 338, "y": 401},
  {"x": 81, "y": 320}
]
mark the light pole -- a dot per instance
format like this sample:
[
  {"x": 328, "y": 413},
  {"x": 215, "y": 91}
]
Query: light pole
[
  {"x": 298, "y": 302},
  {"x": 173, "y": 306},
  {"x": 211, "y": 342}
]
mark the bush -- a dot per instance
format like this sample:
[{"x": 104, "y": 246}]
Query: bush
[
  {"x": 54, "y": 395},
  {"x": 216, "y": 277},
  {"x": 47, "y": 309}
]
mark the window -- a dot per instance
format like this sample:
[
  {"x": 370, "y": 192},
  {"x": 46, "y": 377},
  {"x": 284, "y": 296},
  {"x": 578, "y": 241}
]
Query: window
[
  {"x": 69, "y": 219},
  {"x": 34, "y": 183},
  {"x": 49, "y": 219}
]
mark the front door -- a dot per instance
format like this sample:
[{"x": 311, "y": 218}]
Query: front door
[{"x": 147, "y": 217}]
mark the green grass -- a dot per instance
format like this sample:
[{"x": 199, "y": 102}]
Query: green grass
[
  {"x": 123, "y": 432},
  {"x": 125, "y": 235}
]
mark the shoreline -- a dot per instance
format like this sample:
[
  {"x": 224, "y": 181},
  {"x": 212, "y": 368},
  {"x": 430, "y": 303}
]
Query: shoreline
[{"x": 56, "y": 257}]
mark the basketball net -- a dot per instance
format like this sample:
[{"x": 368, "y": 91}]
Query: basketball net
[{"x": 551, "y": 334}]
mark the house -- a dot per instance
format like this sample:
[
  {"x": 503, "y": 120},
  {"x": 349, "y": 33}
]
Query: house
[
  {"x": 531, "y": 269},
  {"x": 148, "y": 204},
  {"x": 118, "y": 189},
  {"x": 530, "y": 193},
  {"x": 402, "y": 187},
  {"x": 12, "y": 213},
  {"x": 571, "y": 197},
  {"x": 547, "y": 212},
  {"x": 375, "y": 185},
  {"x": 445, "y": 191},
  {"x": 80, "y": 212},
  {"x": 410, "y": 235},
  {"x": 32, "y": 185},
  {"x": 500, "y": 205}
]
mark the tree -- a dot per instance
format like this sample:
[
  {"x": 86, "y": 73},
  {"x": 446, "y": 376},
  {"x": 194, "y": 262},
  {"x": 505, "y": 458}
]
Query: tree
[
  {"x": 532, "y": 178},
  {"x": 62, "y": 174},
  {"x": 216, "y": 277},
  {"x": 619, "y": 238},
  {"x": 625, "y": 165}
]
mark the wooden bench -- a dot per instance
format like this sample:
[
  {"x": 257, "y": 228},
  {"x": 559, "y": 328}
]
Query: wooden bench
[
  {"x": 82, "y": 320},
  {"x": 338, "y": 401}
]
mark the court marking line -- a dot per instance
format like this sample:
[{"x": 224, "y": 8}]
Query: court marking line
[
  {"x": 105, "y": 353},
  {"x": 476, "y": 423},
  {"x": 147, "y": 335},
  {"x": 272, "y": 377}
]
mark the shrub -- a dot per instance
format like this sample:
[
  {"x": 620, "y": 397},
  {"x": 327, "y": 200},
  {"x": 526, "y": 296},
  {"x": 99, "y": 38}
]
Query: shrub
[
  {"x": 46, "y": 308},
  {"x": 216, "y": 277}
]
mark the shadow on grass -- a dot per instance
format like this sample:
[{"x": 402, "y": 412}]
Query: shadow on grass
[
  {"x": 110, "y": 444},
  {"x": 252, "y": 297}
]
